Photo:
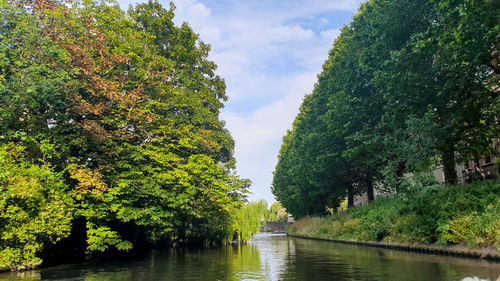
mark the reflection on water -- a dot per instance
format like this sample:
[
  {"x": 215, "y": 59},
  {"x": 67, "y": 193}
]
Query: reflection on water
[{"x": 275, "y": 257}]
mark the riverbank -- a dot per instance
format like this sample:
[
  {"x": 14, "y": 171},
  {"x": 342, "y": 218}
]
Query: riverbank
[
  {"x": 457, "y": 250},
  {"x": 462, "y": 220},
  {"x": 272, "y": 257}
]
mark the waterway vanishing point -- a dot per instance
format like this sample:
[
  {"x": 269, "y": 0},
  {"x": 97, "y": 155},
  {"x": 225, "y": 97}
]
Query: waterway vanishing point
[{"x": 275, "y": 257}]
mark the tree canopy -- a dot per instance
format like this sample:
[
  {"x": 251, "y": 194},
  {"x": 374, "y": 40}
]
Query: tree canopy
[
  {"x": 398, "y": 94},
  {"x": 115, "y": 114}
]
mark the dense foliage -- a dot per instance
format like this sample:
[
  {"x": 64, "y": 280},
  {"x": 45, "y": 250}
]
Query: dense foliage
[
  {"x": 110, "y": 131},
  {"x": 467, "y": 215},
  {"x": 400, "y": 93},
  {"x": 250, "y": 218},
  {"x": 35, "y": 208},
  {"x": 276, "y": 213}
]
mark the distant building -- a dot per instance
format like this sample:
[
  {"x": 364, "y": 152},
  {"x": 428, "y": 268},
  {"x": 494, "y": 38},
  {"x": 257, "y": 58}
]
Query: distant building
[{"x": 474, "y": 170}]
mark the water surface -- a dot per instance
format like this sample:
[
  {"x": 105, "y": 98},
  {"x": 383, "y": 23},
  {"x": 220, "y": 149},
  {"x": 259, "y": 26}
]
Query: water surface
[{"x": 275, "y": 257}]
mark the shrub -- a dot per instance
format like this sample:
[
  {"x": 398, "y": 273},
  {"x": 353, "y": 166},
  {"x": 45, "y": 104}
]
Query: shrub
[
  {"x": 405, "y": 229},
  {"x": 34, "y": 209},
  {"x": 463, "y": 214},
  {"x": 475, "y": 229}
]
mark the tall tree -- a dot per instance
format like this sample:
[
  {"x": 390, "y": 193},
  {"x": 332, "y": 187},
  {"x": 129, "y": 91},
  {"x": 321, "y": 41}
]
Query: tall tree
[
  {"x": 397, "y": 94},
  {"x": 440, "y": 78},
  {"x": 126, "y": 108}
]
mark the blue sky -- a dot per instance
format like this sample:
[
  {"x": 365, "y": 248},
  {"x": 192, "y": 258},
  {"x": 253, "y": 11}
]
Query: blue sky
[{"x": 269, "y": 52}]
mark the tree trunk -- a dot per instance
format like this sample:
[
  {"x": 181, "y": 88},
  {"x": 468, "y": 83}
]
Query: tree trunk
[
  {"x": 369, "y": 189},
  {"x": 399, "y": 174},
  {"x": 350, "y": 196},
  {"x": 448, "y": 154}
]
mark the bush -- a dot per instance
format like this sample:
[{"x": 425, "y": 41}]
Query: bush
[
  {"x": 435, "y": 206},
  {"x": 405, "y": 229},
  {"x": 34, "y": 209},
  {"x": 475, "y": 229},
  {"x": 462, "y": 214}
]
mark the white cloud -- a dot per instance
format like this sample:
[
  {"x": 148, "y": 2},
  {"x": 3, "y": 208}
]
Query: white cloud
[
  {"x": 258, "y": 135},
  {"x": 210, "y": 34},
  {"x": 193, "y": 11},
  {"x": 232, "y": 60},
  {"x": 255, "y": 131},
  {"x": 330, "y": 34},
  {"x": 284, "y": 33}
]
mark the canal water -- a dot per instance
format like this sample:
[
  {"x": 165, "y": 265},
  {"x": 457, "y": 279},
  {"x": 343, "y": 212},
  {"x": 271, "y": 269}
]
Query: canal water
[{"x": 275, "y": 257}]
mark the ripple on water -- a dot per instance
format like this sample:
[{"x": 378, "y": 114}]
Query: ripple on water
[{"x": 275, "y": 257}]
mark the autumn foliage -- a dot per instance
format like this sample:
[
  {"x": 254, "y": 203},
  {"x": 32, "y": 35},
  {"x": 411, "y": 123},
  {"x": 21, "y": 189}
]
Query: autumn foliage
[{"x": 117, "y": 115}]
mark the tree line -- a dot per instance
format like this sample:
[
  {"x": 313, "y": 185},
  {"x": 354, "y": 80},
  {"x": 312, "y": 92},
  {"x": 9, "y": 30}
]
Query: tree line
[
  {"x": 251, "y": 217},
  {"x": 408, "y": 85},
  {"x": 110, "y": 136}
]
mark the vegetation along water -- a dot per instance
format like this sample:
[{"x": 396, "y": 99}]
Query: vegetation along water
[
  {"x": 110, "y": 137},
  {"x": 274, "y": 257},
  {"x": 465, "y": 215},
  {"x": 111, "y": 144},
  {"x": 405, "y": 114}
]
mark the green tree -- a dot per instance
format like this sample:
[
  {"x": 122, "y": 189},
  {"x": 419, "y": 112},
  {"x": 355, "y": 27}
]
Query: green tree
[
  {"x": 249, "y": 220},
  {"x": 126, "y": 108},
  {"x": 397, "y": 94},
  {"x": 35, "y": 209},
  {"x": 276, "y": 213},
  {"x": 443, "y": 77}
]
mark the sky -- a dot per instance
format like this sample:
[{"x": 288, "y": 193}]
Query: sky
[{"x": 269, "y": 53}]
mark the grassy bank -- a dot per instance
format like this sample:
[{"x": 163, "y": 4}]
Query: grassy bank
[{"x": 467, "y": 215}]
